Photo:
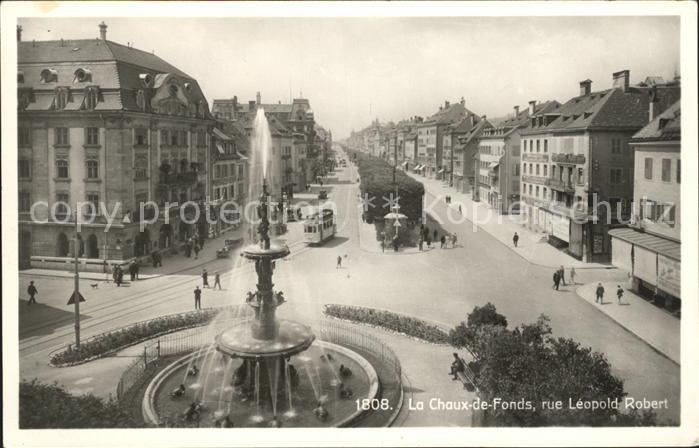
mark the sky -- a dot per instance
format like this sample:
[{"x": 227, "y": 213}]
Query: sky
[{"x": 354, "y": 70}]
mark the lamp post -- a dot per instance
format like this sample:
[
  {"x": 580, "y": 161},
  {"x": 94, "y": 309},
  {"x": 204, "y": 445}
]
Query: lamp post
[{"x": 76, "y": 292}]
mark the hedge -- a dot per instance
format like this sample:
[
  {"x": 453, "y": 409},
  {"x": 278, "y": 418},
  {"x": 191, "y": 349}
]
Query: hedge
[
  {"x": 107, "y": 343},
  {"x": 377, "y": 182},
  {"x": 400, "y": 323}
]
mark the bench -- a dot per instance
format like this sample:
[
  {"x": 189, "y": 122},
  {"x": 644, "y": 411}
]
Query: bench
[{"x": 465, "y": 375}]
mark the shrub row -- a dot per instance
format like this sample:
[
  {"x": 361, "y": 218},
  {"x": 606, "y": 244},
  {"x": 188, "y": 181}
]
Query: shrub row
[
  {"x": 407, "y": 325},
  {"x": 377, "y": 182},
  {"x": 108, "y": 343}
]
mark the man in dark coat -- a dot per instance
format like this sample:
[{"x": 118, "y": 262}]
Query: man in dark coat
[
  {"x": 599, "y": 294},
  {"x": 556, "y": 279},
  {"x": 197, "y": 298},
  {"x": 32, "y": 291},
  {"x": 205, "y": 278}
]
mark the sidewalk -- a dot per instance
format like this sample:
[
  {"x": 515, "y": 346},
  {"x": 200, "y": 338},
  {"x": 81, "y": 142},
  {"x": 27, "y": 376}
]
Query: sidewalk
[
  {"x": 532, "y": 246},
  {"x": 635, "y": 314},
  {"x": 172, "y": 264}
]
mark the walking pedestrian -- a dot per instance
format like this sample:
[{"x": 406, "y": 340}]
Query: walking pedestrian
[
  {"x": 419, "y": 244},
  {"x": 205, "y": 279},
  {"x": 459, "y": 208},
  {"x": 572, "y": 276},
  {"x": 217, "y": 280},
  {"x": 137, "y": 268},
  {"x": 599, "y": 294},
  {"x": 120, "y": 275},
  {"x": 115, "y": 274},
  {"x": 196, "y": 250},
  {"x": 515, "y": 239},
  {"x": 435, "y": 235},
  {"x": 453, "y": 240},
  {"x": 32, "y": 291},
  {"x": 428, "y": 240},
  {"x": 563, "y": 279},
  {"x": 619, "y": 294},
  {"x": 556, "y": 280},
  {"x": 383, "y": 245},
  {"x": 442, "y": 241},
  {"x": 339, "y": 262},
  {"x": 197, "y": 298},
  {"x": 154, "y": 258},
  {"x": 132, "y": 270}
]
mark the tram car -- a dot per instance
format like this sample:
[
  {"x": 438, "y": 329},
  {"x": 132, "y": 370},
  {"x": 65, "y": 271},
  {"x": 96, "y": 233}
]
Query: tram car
[{"x": 319, "y": 227}]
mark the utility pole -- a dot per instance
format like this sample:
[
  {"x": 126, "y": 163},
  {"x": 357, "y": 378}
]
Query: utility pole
[{"x": 76, "y": 293}]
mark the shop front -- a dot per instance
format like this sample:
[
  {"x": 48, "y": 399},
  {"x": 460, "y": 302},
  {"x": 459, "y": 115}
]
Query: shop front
[{"x": 653, "y": 262}]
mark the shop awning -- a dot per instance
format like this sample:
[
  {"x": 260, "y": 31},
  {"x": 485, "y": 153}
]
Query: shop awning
[
  {"x": 663, "y": 246},
  {"x": 220, "y": 148},
  {"x": 404, "y": 163},
  {"x": 440, "y": 171}
]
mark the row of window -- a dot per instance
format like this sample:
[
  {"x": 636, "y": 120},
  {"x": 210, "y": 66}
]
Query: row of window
[
  {"x": 528, "y": 145},
  {"x": 92, "y": 166},
  {"x": 228, "y": 170},
  {"x": 535, "y": 191},
  {"x": 657, "y": 212},
  {"x": 62, "y": 201},
  {"x": 665, "y": 169},
  {"x": 92, "y": 136},
  {"x": 224, "y": 192}
]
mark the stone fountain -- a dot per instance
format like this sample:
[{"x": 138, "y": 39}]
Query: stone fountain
[{"x": 265, "y": 343}]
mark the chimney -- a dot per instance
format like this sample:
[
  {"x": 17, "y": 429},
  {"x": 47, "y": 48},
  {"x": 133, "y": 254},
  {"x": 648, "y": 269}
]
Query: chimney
[
  {"x": 653, "y": 106},
  {"x": 19, "y": 33},
  {"x": 516, "y": 111},
  {"x": 463, "y": 101},
  {"x": 446, "y": 104},
  {"x": 483, "y": 117},
  {"x": 259, "y": 98},
  {"x": 532, "y": 107},
  {"x": 621, "y": 80},
  {"x": 585, "y": 87},
  {"x": 251, "y": 106},
  {"x": 103, "y": 31},
  {"x": 473, "y": 120}
]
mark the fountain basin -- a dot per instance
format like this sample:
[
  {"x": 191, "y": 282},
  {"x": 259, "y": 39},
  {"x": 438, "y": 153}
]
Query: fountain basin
[
  {"x": 343, "y": 412},
  {"x": 255, "y": 252},
  {"x": 238, "y": 340}
]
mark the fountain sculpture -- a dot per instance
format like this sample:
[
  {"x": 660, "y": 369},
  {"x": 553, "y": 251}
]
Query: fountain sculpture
[
  {"x": 265, "y": 343},
  {"x": 246, "y": 376}
]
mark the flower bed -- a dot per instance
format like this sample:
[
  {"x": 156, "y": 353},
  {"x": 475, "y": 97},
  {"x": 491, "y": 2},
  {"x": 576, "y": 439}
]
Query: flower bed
[
  {"x": 400, "y": 323},
  {"x": 107, "y": 343}
]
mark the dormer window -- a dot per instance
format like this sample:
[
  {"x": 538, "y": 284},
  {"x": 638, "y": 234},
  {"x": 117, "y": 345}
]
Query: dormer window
[
  {"x": 188, "y": 87},
  {"x": 83, "y": 75},
  {"x": 146, "y": 79},
  {"x": 173, "y": 89},
  {"x": 49, "y": 75},
  {"x": 20, "y": 77}
]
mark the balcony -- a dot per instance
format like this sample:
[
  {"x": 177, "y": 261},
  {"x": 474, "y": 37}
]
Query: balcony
[
  {"x": 568, "y": 159},
  {"x": 530, "y": 157},
  {"x": 561, "y": 185},
  {"x": 181, "y": 179},
  {"x": 536, "y": 180}
]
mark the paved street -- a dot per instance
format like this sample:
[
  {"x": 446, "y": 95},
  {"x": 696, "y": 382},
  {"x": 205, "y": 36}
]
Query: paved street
[{"x": 439, "y": 285}]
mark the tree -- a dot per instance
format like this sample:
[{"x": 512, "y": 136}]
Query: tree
[
  {"x": 526, "y": 367},
  {"x": 464, "y": 334},
  {"x": 51, "y": 406}
]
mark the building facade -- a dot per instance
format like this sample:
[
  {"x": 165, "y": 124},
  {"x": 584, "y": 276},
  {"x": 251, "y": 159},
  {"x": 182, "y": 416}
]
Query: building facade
[
  {"x": 650, "y": 249},
  {"x": 577, "y": 167},
  {"x": 499, "y": 159},
  {"x": 116, "y": 127}
]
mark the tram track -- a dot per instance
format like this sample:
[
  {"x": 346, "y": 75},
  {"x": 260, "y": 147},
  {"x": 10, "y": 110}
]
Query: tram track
[
  {"x": 117, "y": 310},
  {"x": 155, "y": 298}
]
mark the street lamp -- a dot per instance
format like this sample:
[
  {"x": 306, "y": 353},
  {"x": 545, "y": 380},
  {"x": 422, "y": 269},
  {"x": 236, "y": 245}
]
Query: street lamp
[{"x": 76, "y": 292}]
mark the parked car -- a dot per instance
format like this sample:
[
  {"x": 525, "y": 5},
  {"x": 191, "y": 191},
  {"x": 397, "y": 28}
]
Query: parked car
[
  {"x": 322, "y": 194},
  {"x": 227, "y": 249}
]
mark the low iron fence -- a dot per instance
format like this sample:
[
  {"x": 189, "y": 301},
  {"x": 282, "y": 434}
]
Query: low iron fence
[{"x": 336, "y": 332}]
